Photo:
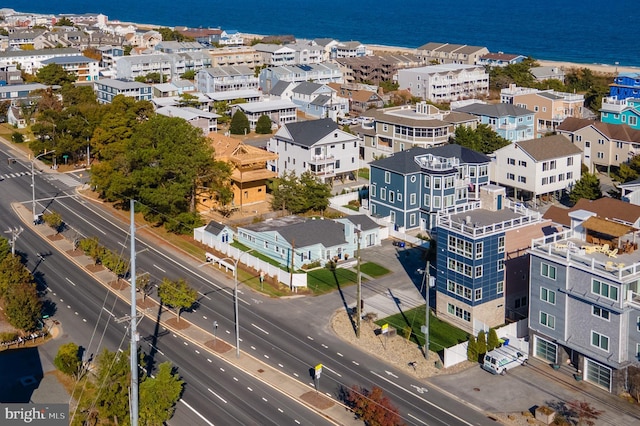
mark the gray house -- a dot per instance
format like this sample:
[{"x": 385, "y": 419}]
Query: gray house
[{"x": 584, "y": 311}]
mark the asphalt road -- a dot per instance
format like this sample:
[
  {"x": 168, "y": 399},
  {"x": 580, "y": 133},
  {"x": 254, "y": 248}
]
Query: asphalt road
[{"x": 280, "y": 333}]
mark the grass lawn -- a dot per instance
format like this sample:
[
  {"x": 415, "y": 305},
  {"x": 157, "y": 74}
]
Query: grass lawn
[
  {"x": 323, "y": 280},
  {"x": 363, "y": 173},
  {"x": 352, "y": 207},
  {"x": 373, "y": 269},
  {"x": 441, "y": 334}
]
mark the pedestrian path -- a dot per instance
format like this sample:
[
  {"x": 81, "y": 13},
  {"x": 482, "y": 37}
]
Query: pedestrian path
[
  {"x": 65, "y": 179},
  {"x": 18, "y": 174}
]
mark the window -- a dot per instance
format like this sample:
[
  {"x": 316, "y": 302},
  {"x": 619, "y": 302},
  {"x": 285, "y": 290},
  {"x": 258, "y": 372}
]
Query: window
[
  {"x": 545, "y": 180},
  {"x": 569, "y": 175},
  {"x": 436, "y": 183},
  {"x": 587, "y": 144},
  {"x": 427, "y": 200},
  {"x": 459, "y": 312},
  {"x": 633, "y": 121},
  {"x": 383, "y": 193},
  {"x": 373, "y": 191},
  {"x": 478, "y": 294},
  {"x": 501, "y": 244},
  {"x": 522, "y": 163},
  {"x": 427, "y": 182},
  {"x": 399, "y": 196},
  {"x": 599, "y": 341},
  {"x": 545, "y": 166},
  {"x": 387, "y": 177},
  {"x": 511, "y": 161},
  {"x": 569, "y": 161},
  {"x": 548, "y": 271},
  {"x": 604, "y": 290},
  {"x": 451, "y": 286},
  {"x": 451, "y": 309},
  {"x": 522, "y": 179},
  {"x": 600, "y": 141},
  {"x": 392, "y": 196},
  {"x": 448, "y": 182},
  {"x": 500, "y": 287},
  {"x": 500, "y": 265},
  {"x": 472, "y": 171},
  {"x": 478, "y": 271},
  {"x": 412, "y": 199},
  {"x": 436, "y": 202},
  {"x": 600, "y": 154},
  {"x": 599, "y": 312},
  {"x": 460, "y": 267},
  {"x": 552, "y": 179},
  {"x": 412, "y": 219},
  {"x": 479, "y": 250},
  {"x": 547, "y": 320},
  {"x": 560, "y": 177},
  {"x": 552, "y": 165},
  {"x": 547, "y": 295},
  {"x": 511, "y": 176},
  {"x": 484, "y": 171}
]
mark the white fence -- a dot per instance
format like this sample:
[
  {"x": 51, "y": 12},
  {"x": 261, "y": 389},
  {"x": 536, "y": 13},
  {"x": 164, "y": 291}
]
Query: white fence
[
  {"x": 515, "y": 332},
  {"x": 232, "y": 253}
]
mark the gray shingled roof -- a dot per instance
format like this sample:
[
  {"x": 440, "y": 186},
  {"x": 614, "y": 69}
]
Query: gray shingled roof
[
  {"x": 364, "y": 221},
  {"x": 321, "y": 100},
  {"x": 279, "y": 87},
  {"x": 549, "y": 147},
  {"x": 495, "y": 110},
  {"x": 214, "y": 228},
  {"x": 307, "y": 88},
  {"x": 403, "y": 162},
  {"x": 325, "y": 232},
  {"x": 308, "y": 133}
]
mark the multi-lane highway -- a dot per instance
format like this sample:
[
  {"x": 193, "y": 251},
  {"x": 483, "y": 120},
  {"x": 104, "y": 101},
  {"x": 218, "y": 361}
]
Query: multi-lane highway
[{"x": 281, "y": 333}]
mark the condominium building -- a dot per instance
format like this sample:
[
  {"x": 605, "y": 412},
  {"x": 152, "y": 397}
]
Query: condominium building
[{"x": 445, "y": 82}]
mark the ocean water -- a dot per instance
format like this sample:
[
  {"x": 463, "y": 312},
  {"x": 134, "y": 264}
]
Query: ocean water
[{"x": 583, "y": 31}]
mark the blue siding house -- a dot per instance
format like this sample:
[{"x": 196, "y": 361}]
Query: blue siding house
[
  {"x": 512, "y": 122},
  {"x": 411, "y": 186},
  {"x": 626, "y": 85},
  {"x": 625, "y": 111}
]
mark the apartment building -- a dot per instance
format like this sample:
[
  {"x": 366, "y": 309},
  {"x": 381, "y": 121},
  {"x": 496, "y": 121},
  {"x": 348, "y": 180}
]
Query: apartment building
[
  {"x": 446, "y": 53},
  {"x": 30, "y": 61},
  {"x": 85, "y": 69},
  {"x": 168, "y": 65},
  {"x": 106, "y": 89},
  {"x": 550, "y": 107},
  {"x": 316, "y": 73},
  {"x": 222, "y": 79},
  {"x": 378, "y": 68},
  {"x": 445, "y": 82},
  {"x": 233, "y": 56}
]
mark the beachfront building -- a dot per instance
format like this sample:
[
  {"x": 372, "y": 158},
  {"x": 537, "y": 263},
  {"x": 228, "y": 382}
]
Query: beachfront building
[
  {"x": 603, "y": 144},
  {"x": 625, "y": 111},
  {"x": 178, "y": 46},
  {"x": 551, "y": 107},
  {"x": 541, "y": 74},
  {"x": 206, "y": 36},
  {"x": 394, "y": 129},
  {"x": 328, "y": 46},
  {"x": 446, "y": 53},
  {"x": 318, "y": 146},
  {"x": 500, "y": 59},
  {"x": 378, "y": 68},
  {"x": 410, "y": 187},
  {"x": 83, "y": 68},
  {"x": 234, "y": 56},
  {"x": 222, "y": 79},
  {"x": 472, "y": 241},
  {"x": 537, "y": 167},
  {"x": 511, "y": 122},
  {"x": 30, "y": 61},
  {"x": 280, "y": 111},
  {"x": 316, "y": 73},
  {"x": 275, "y": 54},
  {"x": 445, "y": 82},
  {"x": 307, "y": 52},
  {"x": 351, "y": 49},
  {"x": 318, "y": 101},
  {"x": 84, "y": 18},
  {"x": 625, "y": 85},
  {"x": 585, "y": 298},
  {"x": 203, "y": 120},
  {"x": 106, "y": 89}
]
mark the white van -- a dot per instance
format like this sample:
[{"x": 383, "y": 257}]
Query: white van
[{"x": 501, "y": 359}]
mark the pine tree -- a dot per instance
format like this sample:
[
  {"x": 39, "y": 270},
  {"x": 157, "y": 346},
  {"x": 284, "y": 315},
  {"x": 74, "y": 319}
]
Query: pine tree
[
  {"x": 588, "y": 187},
  {"x": 493, "y": 341},
  {"x": 263, "y": 126},
  {"x": 239, "y": 124},
  {"x": 482, "y": 343},
  {"x": 472, "y": 349}
]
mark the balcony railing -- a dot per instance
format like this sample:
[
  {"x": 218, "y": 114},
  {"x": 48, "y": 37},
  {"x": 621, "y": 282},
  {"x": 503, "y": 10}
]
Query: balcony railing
[
  {"x": 322, "y": 159},
  {"x": 610, "y": 104}
]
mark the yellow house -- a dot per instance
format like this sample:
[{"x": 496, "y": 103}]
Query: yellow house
[{"x": 250, "y": 174}]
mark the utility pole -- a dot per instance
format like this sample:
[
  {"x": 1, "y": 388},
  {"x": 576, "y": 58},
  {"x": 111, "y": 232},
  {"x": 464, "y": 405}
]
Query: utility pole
[
  {"x": 134, "y": 323},
  {"x": 427, "y": 279},
  {"x": 359, "y": 295},
  {"x": 15, "y": 232},
  {"x": 293, "y": 253}
]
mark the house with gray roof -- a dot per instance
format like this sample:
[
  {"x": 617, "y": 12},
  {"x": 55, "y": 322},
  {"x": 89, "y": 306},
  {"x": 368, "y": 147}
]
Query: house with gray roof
[
  {"x": 298, "y": 241},
  {"x": 85, "y": 69},
  {"x": 31, "y": 60},
  {"x": 318, "y": 146},
  {"x": 510, "y": 121},
  {"x": 317, "y": 73},
  {"x": 214, "y": 234},
  {"x": 319, "y": 100},
  {"x": 445, "y": 82},
  {"x": 106, "y": 89},
  {"x": 222, "y": 79},
  {"x": 168, "y": 65},
  {"x": 548, "y": 166},
  {"x": 275, "y": 54},
  {"x": 204, "y": 120},
  {"x": 447, "y": 53},
  {"x": 280, "y": 111},
  {"x": 410, "y": 187}
]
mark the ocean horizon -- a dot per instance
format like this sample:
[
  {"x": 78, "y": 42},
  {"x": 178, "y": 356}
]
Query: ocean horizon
[{"x": 585, "y": 32}]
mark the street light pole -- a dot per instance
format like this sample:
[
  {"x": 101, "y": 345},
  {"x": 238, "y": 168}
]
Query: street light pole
[
  {"x": 33, "y": 186},
  {"x": 235, "y": 297}
]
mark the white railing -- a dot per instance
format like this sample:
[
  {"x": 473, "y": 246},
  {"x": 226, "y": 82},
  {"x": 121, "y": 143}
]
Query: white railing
[{"x": 444, "y": 219}]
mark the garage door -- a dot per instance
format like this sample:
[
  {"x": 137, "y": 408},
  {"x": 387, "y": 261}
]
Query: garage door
[
  {"x": 545, "y": 349},
  {"x": 598, "y": 374}
]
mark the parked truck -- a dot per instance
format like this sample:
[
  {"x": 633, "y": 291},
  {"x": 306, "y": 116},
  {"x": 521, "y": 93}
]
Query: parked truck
[{"x": 501, "y": 359}]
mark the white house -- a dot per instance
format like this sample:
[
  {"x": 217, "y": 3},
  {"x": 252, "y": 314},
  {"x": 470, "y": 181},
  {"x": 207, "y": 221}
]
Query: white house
[
  {"x": 274, "y": 54},
  {"x": 207, "y": 121},
  {"x": 318, "y": 146},
  {"x": 168, "y": 65},
  {"x": 445, "y": 82},
  {"x": 537, "y": 166},
  {"x": 223, "y": 79},
  {"x": 280, "y": 111}
]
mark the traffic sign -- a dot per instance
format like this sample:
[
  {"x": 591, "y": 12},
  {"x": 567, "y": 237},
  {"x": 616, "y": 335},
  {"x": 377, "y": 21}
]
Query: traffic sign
[
  {"x": 318, "y": 370},
  {"x": 385, "y": 328}
]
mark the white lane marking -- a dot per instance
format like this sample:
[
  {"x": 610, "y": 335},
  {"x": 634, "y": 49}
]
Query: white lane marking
[
  {"x": 185, "y": 343},
  {"x": 415, "y": 418},
  {"x": 250, "y": 390},
  {"x": 158, "y": 350},
  {"x": 204, "y": 317},
  {"x": 222, "y": 369},
  {"x": 218, "y": 396},
  {"x": 122, "y": 244},
  {"x": 329, "y": 395},
  {"x": 79, "y": 216},
  {"x": 390, "y": 373},
  {"x": 235, "y": 378},
  {"x": 264, "y": 399},
  {"x": 296, "y": 374},
  {"x": 334, "y": 372},
  {"x": 208, "y": 360},
  {"x": 325, "y": 346},
  {"x": 107, "y": 311},
  {"x": 198, "y": 414},
  {"x": 76, "y": 312},
  {"x": 280, "y": 365},
  {"x": 84, "y": 320},
  {"x": 68, "y": 306},
  {"x": 420, "y": 398},
  {"x": 297, "y": 422},
  {"x": 355, "y": 362},
  {"x": 61, "y": 300},
  {"x": 198, "y": 352},
  {"x": 205, "y": 296},
  {"x": 228, "y": 332},
  {"x": 420, "y": 389},
  {"x": 253, "y": 347},
  {"x": 339, "y": 354},
  {"x": 280, "y": 409},
  {"x": 309, "y": 337},
  {"x": 157, "y": 267},
  {"x": 263, "y": 330},
  {"x": 266, "y": 356},
  {"x": 71, "y": 282}
]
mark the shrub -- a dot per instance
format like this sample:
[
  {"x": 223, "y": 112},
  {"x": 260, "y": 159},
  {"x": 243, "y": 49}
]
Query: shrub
[
  {"x": 17, "y": 137},
  {"x": 493, "y": 341},
  {"x": 239, "y": 124},
  {"x": 8, "y": 336},
  {"x": 54, "y": 220},
  {"x": 472, "y": 349},
  {"x": 263, "y": 126},
  {"x": 482, "y": 343}
]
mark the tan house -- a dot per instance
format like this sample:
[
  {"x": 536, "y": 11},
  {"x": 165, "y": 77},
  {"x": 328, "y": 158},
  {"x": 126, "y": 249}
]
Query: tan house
[
  {"x": 446, "y": 53},
  {"x": 250, "y": 174},
  {"x": 550, "y": 107},
  {"x": 360, "y": 100},
  {"x": 603, "y": 144},
  {"x": 236, "y": 56}
]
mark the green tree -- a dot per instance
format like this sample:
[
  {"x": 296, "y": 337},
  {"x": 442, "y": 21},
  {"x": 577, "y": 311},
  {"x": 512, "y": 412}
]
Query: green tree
[
  {"x": 188, "y": 75},
  {"x": 493, "y": 341},
  {"x": 482, "y": 139},
  {"x": 144, "y": 285},
  {"x": 239, "y": 124},
  {"x": 159, "y": 395},
  {"x": 64, "y": 22},
  {"x": 17, "y": 137},
  {"x": 12, "y": 273},
  {"x": 482, "y": 343},
  {"x": 286, "y": 193},
  {"x": 315, "y": 193},
  {"x": 23, "y": 307},
  {"x": 171, "y": 35},
  {"x": 263, "y": 126},
  {"x": 54, "y": 220},
  {"x": 113, "y": 380},
  {"x": 54, "y": 74},
  {"x": 151, "y": 78},
  {"x": 472, "y": 349},
  {"x": 588, "y": 187},
  {"x": 188, "y": 100},
  {"x": 372, "y": 406},
  {"x": 222, "y": 109},
  {"x": 177, "y": 295},
  {"x": 68, "y": 360},
  {"x": 5, "y": 250}
]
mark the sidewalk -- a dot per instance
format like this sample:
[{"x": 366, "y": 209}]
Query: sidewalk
[{"x": 294, "y": 389}]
